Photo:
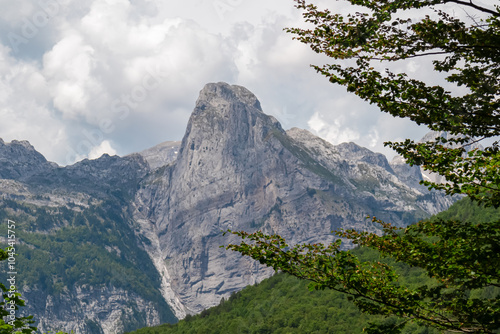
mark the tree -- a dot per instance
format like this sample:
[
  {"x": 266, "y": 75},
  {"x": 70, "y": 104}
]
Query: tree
[
  {"x": 10, "y": 306},
  {"x": 463, "y": 258}
]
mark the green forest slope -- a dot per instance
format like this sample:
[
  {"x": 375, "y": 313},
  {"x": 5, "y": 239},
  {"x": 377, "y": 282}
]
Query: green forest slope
[
  {"x": 59, "y": 249},
  {"x": 284, "y": 304}
]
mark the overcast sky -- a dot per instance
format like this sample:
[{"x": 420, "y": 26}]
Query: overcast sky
[{"x": 79, "y": 78}]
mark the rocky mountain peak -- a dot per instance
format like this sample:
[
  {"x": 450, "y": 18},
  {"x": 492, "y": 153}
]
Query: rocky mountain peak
[
  {"x": 24, "y": 143},
  {"x": 220, "y": 94},
  {"x": 355, "y": 152},
  {"x": 227, "y": 108},
  {"x": 302, "y": 135},
  {"x": 227, "y": 122},
  {"x": 19, "y": 159},
  {"x": 161, "y": 154}
]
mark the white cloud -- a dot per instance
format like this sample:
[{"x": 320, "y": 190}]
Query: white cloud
[
  {"x": 69, "y": 69},
  {"x": 334, "y": 131},
  {"x": 129, "y": 72},
  {"x": 104, "y": 147},
  {"x": 24, "y": 106}
]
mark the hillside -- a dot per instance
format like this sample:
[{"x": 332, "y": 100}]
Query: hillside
[
  {"x": 80, "y": 267},
  {"x": 284, "y": 304},
  {"x": 280, "y": 304}
]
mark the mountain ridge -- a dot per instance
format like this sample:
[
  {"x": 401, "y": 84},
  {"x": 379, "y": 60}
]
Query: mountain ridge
[{"x": 235, "y": 168}]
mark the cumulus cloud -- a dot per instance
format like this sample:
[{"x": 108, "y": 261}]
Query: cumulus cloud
[
  {"x": 118, "y": 76},
  {"x": 69, "y": 68},
  {"x": 333, "y": 131},
  {"x": 104, "y": 147},
  {"x": 105, "y": 70},
  {"x": 25, "y": 105}
]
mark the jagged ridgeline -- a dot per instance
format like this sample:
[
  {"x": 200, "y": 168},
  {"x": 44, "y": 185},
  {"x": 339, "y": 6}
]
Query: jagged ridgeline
[
  {"x": 284, "y": 304},
  {"x": 118, "y": 243}
]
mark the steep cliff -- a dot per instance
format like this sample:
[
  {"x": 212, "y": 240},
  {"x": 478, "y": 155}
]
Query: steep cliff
[{"x": 238, "y": 169}]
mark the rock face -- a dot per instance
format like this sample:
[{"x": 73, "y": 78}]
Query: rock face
[
  {"x": 238, "y": 169},
  {"x": 87, "y": 309},
  {"x": 161, "y": 154},
  {"x": 19, "y": 160},
  {"x": 118, "y": 243}
]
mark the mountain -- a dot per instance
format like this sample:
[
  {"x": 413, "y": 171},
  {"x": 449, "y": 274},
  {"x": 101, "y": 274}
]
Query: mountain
[
  {"x": 238, "y": 169},
  {"x": 19, "y": 160},
  {"x": 119, "y": 243},
  {"x": 80, "y": 266}
]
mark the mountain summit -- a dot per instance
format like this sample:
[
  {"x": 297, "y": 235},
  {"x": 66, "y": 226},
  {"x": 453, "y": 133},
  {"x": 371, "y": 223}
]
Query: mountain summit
[
  {"x": 19, "y": 160},
  {"x": 238, "y": 169}
]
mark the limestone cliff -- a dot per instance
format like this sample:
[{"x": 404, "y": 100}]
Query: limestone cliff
[{"x": 238, "y": 169}]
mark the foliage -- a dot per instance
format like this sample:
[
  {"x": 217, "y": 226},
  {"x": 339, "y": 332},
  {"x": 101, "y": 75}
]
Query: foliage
[
  {"x": 467, "y": 210},
  {"x": 461, "y": 256},
  {"x": 11, "y": 322}
]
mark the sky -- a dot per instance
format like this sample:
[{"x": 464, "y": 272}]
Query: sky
[{"x": 79, "y": 78}]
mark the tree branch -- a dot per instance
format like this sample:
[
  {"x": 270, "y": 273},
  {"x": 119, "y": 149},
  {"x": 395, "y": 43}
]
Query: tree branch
[{"x": 470, "y": 4}]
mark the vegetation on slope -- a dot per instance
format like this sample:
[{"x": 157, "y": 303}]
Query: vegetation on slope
[
  {"x": 467, "y": 211},
  {"x": 284, "y": 304},
  {"x": 60, "y": 248}
]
